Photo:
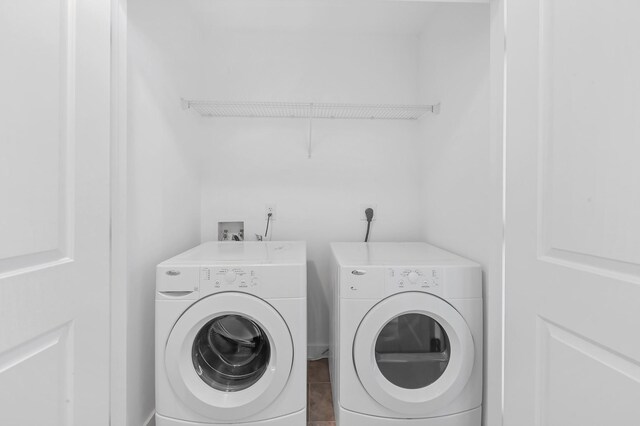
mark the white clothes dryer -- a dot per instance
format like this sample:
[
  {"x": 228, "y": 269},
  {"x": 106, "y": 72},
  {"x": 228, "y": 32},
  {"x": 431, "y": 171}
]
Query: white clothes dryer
[
  {"x": 406, "y": 344},
  {"x": 231, "y": 335}
]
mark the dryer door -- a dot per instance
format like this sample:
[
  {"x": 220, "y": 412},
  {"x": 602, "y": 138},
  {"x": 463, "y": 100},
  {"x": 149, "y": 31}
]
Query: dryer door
[
  {"x": 229, "y": 356},
  {"x": 413, "y": 353}
]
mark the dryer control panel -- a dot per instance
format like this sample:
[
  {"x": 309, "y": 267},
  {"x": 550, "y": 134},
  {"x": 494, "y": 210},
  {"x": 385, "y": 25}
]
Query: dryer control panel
[{"x": 428, "y": 280}]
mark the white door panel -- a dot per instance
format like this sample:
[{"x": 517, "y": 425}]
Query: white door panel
[
  {"x": 37, "y": 83},
  {"x": 573, "y": 209},
  {"x": 54, "y": 212},
  {"x": 589, "y": 131},
  {"x": 39, "y": 371},
  {"x": 584, "y": 383}
]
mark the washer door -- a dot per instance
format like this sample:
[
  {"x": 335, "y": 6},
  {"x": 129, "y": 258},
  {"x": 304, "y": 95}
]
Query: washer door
[
  {"x": 229, "y": 356},
  {"x": 413, "y": 353}
]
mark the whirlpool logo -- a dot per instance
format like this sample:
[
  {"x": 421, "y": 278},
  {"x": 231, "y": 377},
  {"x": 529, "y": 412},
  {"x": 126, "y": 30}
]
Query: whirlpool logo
[
  {"x": 173, "y": 273},
  {"x": 358, "y": 272}
]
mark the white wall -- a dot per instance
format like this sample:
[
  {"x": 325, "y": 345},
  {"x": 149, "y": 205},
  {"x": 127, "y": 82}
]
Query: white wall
[
  {"x": 432, "y": 180},
  {"x": 164, "y": 185},
  {"x": 461, "y": 211},
  {"x": 251, "y": 162}
]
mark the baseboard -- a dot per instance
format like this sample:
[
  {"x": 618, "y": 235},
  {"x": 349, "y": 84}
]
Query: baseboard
[
  {"x": 151, "y": 421},
  {"x": 317, "y": 351}
]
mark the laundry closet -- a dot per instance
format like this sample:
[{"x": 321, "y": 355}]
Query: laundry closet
[{"x": 317, "y": 109}]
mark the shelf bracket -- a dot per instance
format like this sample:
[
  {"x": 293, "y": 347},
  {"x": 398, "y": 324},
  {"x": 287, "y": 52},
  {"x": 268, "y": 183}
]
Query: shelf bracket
[
  {"x": 310, "y": 131},
  {"x": 435, "y": 109},
  {"x": 310, "y": 137}
]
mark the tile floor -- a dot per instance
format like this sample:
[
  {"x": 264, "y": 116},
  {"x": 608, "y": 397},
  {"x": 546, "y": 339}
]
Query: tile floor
[{"x": 320, "y": 402}]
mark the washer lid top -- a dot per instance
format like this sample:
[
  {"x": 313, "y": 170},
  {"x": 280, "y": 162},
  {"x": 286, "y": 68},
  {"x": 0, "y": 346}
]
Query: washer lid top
[{"x": 242, "y": 252}]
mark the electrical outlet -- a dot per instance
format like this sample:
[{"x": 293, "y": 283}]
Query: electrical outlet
[
  {"x": 270, "y": 208},
  {"x": 363, "y": 207}
]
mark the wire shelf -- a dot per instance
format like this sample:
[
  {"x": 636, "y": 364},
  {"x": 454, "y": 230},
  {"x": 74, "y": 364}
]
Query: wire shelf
[{"x": 309, "y": 110}]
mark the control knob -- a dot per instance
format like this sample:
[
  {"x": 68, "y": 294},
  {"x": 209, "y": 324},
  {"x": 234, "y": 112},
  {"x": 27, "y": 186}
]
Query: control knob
[
  {"x": 230, "y": 276},
  {"x": 413, "y": 277}
]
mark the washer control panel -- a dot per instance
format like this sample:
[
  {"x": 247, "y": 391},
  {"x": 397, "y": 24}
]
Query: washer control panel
[
  {"x": 268, "y": 281},
  {"x": 230, "y": 278},
  {"x": 428, "y": 280}
]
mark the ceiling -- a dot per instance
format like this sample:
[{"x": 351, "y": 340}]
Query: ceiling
[{"x": 339, "y": 16}]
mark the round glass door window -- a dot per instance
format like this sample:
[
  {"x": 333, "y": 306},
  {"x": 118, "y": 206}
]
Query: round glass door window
[
  {"x": 412, "y": 351},
  {"x": 230, "y": 353}
]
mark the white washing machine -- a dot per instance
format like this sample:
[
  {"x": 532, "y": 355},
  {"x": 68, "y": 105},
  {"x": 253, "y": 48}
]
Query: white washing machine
[
  {"x": 231, "y": 328},
  {"x": 406, "y": 344}
]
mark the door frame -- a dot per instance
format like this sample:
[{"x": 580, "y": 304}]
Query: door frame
[
  {"x": 494, "y": 287},
  {"x": 494, "y": 282},
  {"x": 118, "y": 182}
]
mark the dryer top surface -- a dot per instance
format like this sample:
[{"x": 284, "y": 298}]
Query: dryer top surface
[{"x": 396, "y": 254}]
